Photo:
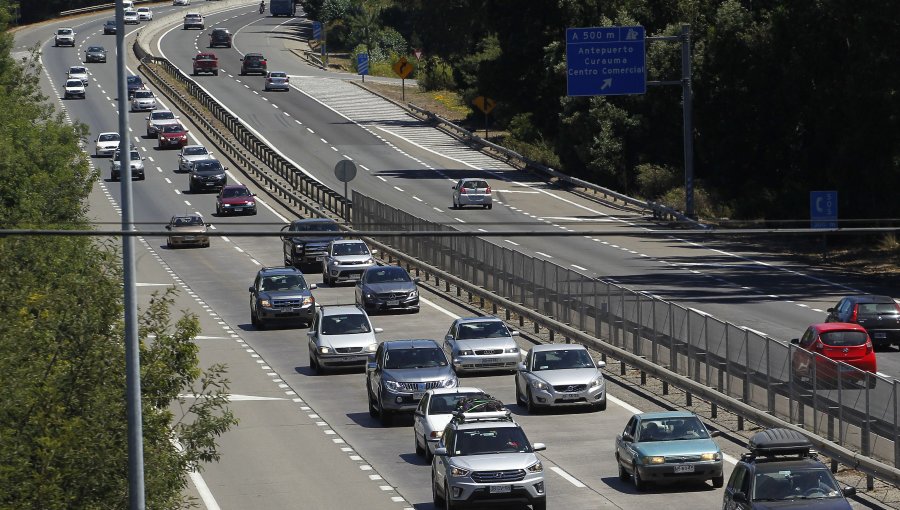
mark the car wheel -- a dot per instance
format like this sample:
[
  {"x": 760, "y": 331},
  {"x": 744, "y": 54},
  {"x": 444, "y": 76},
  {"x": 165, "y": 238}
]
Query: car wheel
[
  {"x": 448, "y": 502},
  {"x": 435, "y": 497},
  {"x": 168, "y": 244},
  {"x": 314, "y": 364},
  {"x": 254, "y": 319},
  {"x": 384, "y": 416},
  {"x": 539, "y": 505},
  {"x": 419, "y": 450},
  {"x": 218, "y": 210},
  {"x": 601, "y": 406},
  {"x": 141, "y": 178},
  {"x": 260, "y": 324},
  {"x": 519, "y": 399},
  {"x": 639, "y": 484},
  {"x": 718, "y": 482},
  {"x": 623, "y": 475},
  {"x": 529, "y": 403},
  {"x": 490, "y": 206},
  {"x": 373, "y": 411},
  {"x": 215, "y": 73}
]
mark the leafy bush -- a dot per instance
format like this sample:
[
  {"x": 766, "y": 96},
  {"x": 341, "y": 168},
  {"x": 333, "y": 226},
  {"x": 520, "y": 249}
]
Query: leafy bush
[
  {"x": 436, "y": 74},
  {"x": 655, "y": 180}
]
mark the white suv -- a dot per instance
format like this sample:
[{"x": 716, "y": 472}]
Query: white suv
[
  {"x": 346, "y": 259},
  {"x": 486, "y": 457},
  {"x": 64, "y": 37}
]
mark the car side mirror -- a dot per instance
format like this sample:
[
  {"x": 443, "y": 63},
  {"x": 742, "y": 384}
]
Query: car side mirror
[
  {"x": 627, "y": 438},
  {"x": 440, "y": 452},
  {"x": 417, "y": 279},
  {"x": 419, "y": 413},
  {"x": 310, "y": 333},
  {"x": 514, "y": 333},
  {"x": 739, "y": 497},
  {"x": 538, "y": 447},
  {"x": 715, "y": 433},
  {"x": 830, "y": 310},
  {"x": 224, "y": 168},
  {"x": 448, "y": 338},
  {"x": 795, "y": 340},
  {"x": 250, "y": 289},
  {"x": 521, "y": 367},
  {"x": 242, "y": 60},
  {"x": 313, "y": 286},
  {"x": 379, "y": 330},
  {"x": 374, "y": 252},
  {"x": 148, "y": 117},
  {"x": 849, "y": 491},
  {"x": 209, "y": 224},
  {"x": 601, "y": 363}
]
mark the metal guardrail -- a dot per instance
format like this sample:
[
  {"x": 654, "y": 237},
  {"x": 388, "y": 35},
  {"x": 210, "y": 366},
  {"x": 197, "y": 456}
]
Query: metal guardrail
[
  {"x": 95, "y": 8},
  {"x": 726, "y": 365},
  {"x": 289, "y": 191},
  {"x": 658, "y": 210}
]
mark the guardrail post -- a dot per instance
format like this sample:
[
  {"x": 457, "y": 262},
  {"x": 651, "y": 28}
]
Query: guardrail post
[
  {"x": 654, "y": 339},
  {"x": 896, "y": 428},
  {"x": 770, "y": 392},
  {"x": 673, "y": 356},
  {"x": 866, "y": 438}
]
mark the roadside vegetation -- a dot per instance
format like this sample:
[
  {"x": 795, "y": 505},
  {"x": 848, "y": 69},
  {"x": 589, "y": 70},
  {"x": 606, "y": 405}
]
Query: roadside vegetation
[
  {"x": 63, "y": 427},
  {"x": 789, "y": 97}
]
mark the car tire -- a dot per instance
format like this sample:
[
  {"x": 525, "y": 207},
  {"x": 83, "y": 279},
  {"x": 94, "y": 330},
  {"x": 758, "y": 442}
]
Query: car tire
[
  {"x": 718, "y": 482},
  {"x": 168, "y": 244},
  {"x": 639, "y": 484},
  {"x": 490, "y": 206},
  {"x": 260, "y": 324},
  {"x": 254, "y": 320},
  {"x": 419, "y": 450},
  {"x": 218, "y": 210},
  {"x": 519, "y": 399},
  {"x": 215, "y": 73},
  {"x": 448, "y": 502},
  {"x": 314, "y": 364},
  {"x": 601, "y": 406},
  {"x": 530, "y": 406},
  {"x": 435, "y": 497},
  {"x": 623, "y": 475},
  {"x": 539, "y": 505},
  {"x": 373, "y": 411},
  {"x": 384, "y": 416}
]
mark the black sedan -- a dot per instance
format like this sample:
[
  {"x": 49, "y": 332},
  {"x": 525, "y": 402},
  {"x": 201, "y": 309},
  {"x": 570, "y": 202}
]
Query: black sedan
[
  {"x": 879, "y": 315},
  {"x": 95, "y": 54},
  {"x": 207, "y": 174},
  {"x": 109, "y": 27},
  {"x": 387, "y": 288}
]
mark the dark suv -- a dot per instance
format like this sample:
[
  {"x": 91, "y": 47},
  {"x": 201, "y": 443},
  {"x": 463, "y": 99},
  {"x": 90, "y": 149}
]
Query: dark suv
[
  {"x": 135, "y": 83},
  {"x": 220, "y": 37},
  {"x": 281, "y": 294},
  {"x": 253, "y": 63},
  {"x": 781, "y": 472},
  {"x": 879, "y": 315},
  {"x": 306, "y": 241}
]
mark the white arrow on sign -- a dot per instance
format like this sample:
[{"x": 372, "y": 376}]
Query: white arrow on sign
[{"x": 606, "y": 84}]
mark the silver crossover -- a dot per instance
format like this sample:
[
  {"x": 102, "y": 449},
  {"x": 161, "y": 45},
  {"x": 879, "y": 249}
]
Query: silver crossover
[
  {"x": 481, "y": 343},
  {"x": 560, "y": 375},
  {"x": 346, "y": 259}
]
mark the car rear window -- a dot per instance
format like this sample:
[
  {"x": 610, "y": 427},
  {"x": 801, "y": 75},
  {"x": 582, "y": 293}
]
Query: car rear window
[
  {"x": 475, "y": 184},
  {"x": 844, "y": 338},
  {"x": 317, "y": 226},
  {"x": 877, "y": 309}
]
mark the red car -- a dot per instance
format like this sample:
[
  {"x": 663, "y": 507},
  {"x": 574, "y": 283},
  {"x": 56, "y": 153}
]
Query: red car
[
  {"x": 235, "y": 198},
  {"x": 172, "y": 135},
  {"x": 832, "y": 348}
]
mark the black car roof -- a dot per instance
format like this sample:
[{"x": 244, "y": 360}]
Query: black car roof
[{"x": 313, "y": 220}]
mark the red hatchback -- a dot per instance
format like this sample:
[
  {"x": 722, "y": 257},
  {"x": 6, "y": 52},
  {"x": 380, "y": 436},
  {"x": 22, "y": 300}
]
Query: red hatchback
[
  {"x": 172, "y": 135},
  {"x": 843, "y": 348},
  {"x": 234, "y": 199}
]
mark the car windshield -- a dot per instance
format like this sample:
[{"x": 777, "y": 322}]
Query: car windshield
[
  {"x": 133, "y": 80},
  {"x": 414, "y": 358},
  {"x": 208, "y": 166},
  {"x": 195, "y": 151},
  {"x": 172, "y": 128},
  {"x": 349, "y": 249},
  {"x": 109, "y": 137},
  {"x": 446, "y": 404},
  {"x": 345, "y": 324},
  {"x": 283, "y": 282},
  {"x": 110, "y": 22},
  {"x": 562, "y": 359},
  {"x": 95, "y": 49},
  {"x": 844, "y": 338},
  {"x": 235, "y": 192},
  {"x": 143, "y": 9},
  {"x": 163, "y": 115},
  {"x": 787, "y": 483},
  {"x": 64, "y": 31},
  {"x": 77, "y": 70},
  {"x": 74, "y": 83},
  {"x": 133, "y": 155},
  {"x": 491, "y": 440},
  {"x": 387, "y": 275},
  {"x": 143, "y": 94},
  {"x": 671, "y": 429},
  {"x": 187, "y": 221},
  {"x": 483, "y": 329},
  {"x": 317, "y": 226}
]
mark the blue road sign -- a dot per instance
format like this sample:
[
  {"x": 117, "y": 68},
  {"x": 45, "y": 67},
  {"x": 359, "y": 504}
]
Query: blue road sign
[
  {"x": 317, "y": 30},
  {"x": 823, "y": 209},
  {"x": 362, "y": 63},
  {"x": 605, "y": 61}
]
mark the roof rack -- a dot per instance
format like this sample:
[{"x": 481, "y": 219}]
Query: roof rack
[
  {"x": 481, "y": 408},
  {"x": 780, "y": 442}
]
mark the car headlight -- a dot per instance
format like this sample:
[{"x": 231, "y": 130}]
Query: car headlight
[
  {"x": 308, "y": 300},
  {"x": 465, "y": 352},
  {"x": 369, "y": 295},
  {"x": 436, "y": 434},
  {"x": 449, "y": 383},
  {"x": 653, "y": 460},
  {"x": 324, "y": 350},
  {"x": 371, "y": 347},
  {"x": 596, "y": 383},
  {"x": 512, "y": 350},
  {"x": 251, "y": 203},
  {"x": 392, "y": 385},
  {"x": 458, "y": 471},
  {"x": 537, "y": 467},
  {"x": 265, "y": 303},
  {"x": 710, "y": 456},
  {"x": 414, "y": 293},
  {"x": 369, "y": 260},
  {"x": 540, "y": 385}
]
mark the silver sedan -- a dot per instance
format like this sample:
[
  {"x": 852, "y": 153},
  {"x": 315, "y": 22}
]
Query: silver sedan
[{"x": 560, "y": 375}]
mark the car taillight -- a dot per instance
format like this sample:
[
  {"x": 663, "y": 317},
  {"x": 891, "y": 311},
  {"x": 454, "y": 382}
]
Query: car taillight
[
  {"x": 869, "y": 347},
  {"x": 854, "y": 313},
  {"x": 286, "y": 79},
  {"x": 263, "y": 62},
  {"x": 818, "y": 346},
  {"x": 488, "y": 190},
  {"x": 463, "y": 191}
]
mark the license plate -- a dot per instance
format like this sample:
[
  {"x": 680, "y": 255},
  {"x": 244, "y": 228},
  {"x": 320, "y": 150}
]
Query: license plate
[
  {"x": 190, "y": 238},
  {"x": 209, "y": 184},
  {"x": 287, "y": 309},
  {"x": 349, "y": 358},
  {"x": 500, "y": 489},
  {"x": 393, "y": 302},
  {"x": 570, "y": 396},
  {"x": 684, "y": 468},
  {"x": 880, "y": 335},
  {"x": 418, "y": 395},
  {"x": 491, "y": 361},
  {"x": 238, "y": 209}
]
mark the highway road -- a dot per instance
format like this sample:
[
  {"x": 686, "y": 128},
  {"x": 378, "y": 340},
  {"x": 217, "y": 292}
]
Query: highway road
[{"x": 307, "y": 441}]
